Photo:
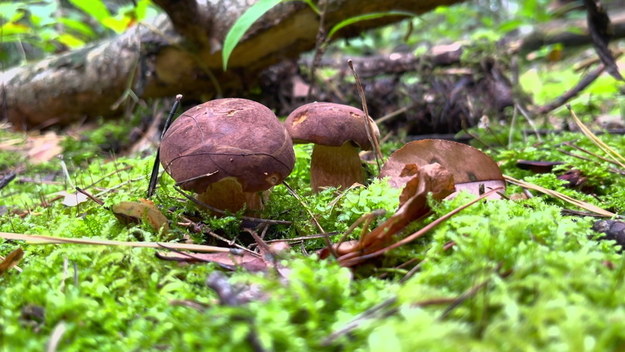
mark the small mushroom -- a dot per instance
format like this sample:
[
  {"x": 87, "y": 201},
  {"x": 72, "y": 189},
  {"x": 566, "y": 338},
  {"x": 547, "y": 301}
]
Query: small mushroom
[
  {"x": 338, "y": 132},
  {"x": 227, "y": 151}
]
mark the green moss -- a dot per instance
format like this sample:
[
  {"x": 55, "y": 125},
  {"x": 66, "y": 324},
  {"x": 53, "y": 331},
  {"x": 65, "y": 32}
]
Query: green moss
[{"x": 548, "y": 283}]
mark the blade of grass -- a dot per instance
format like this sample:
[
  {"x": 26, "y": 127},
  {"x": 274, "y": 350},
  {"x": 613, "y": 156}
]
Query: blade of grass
[
  {"x": 366, "y": 17},
  {"x": 242, "y": 24}
]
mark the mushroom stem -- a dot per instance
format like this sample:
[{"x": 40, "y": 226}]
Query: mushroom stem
[
  {"x": 227, "y": 194},
  {"x": 335, "y": 167}
]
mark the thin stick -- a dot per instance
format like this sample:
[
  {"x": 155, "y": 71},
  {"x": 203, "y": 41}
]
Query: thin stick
[
  {"x": 529, "y": 120},
  {"x": 120, "y": 185},
  {"x": 201, "y": 228},
  {"x": 392, "y": 114},
  {"x": 39, "y": 239},
  {"x": 591, "y": 153},
  {"x": 320, "y": 47},
  {"x": 155, "y": 167},
  {"x": 367, "y": 218},
  {"x": 611, "y": 169},
  {"x": 373, "y": 139},
  {"x": 463, "y": 297},
  {"x": 302, "y": 238},
  {"x": 326, "y": 236},
  {"x": 89, "y": 195},
  {"x": 571, "y": 93},
  {"x": 354, "y": 323},
  {"x": 107, "y": 176}
]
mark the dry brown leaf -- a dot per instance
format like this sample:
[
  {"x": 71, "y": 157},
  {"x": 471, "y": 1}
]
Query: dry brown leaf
[
  {"x": 372, "y": 252},
  {"x": 129, "y": 212},
  {"x": 44, "y": 148},
  {"x": 228, "y": 261},
  {"x": 11, "y": 260},
  {"x": 470, "y": 167},
  {"x": 432, "y": 179}
]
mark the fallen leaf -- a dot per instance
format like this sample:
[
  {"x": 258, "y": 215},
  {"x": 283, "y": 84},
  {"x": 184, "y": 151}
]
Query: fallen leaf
[
  {"x": 429, "y": 179},
  {"x": 11, "y": 260},
  {"x": 72, "y": 199},
  {"x": 472, "y": 170},
  {"x": 539, "y": 167},
  {"x": 230, "y": 261},
  {"x": 134, "y": 212},
  {"x": 44, "y": 148}
]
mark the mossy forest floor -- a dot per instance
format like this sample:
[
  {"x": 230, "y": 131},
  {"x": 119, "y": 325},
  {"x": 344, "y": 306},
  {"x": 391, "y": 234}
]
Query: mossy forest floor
[{"x": 503, "y": 275}]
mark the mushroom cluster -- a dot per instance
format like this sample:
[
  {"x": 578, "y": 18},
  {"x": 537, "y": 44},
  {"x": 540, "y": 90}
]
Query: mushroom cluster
[{"x": 228, "y": 151}]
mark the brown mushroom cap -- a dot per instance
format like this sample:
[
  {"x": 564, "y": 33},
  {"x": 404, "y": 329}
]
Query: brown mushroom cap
[
  {"x": 227, "y": 138},
  {"x": 328, "y": 124}
]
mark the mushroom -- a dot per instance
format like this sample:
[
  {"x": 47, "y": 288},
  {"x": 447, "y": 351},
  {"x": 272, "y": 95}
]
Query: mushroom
[
  {"x": 228, "y": 151},
  {"x": 338, "y": 132}
]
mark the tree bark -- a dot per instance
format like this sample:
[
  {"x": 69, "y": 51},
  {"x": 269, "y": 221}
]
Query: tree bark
[{"x": 178, "y": 53}]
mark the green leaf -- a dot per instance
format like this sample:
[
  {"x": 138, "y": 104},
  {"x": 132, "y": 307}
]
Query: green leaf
[
  {"x": 10, "y": 28},
  {"x": 365, "y": 17},
  {"x": 70, "y": 40},
  {"x": 244, "y": 23},
  {"x": 96, "y": 9},
  {"x": 77, "y": 26},
  {"x": 116, "y": 24},
  {"x": 43, "y": 14},
  {"x": 11, "y": 11}
]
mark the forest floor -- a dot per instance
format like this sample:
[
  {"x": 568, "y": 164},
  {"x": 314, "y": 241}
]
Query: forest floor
[{"x": 522, "y": 272}]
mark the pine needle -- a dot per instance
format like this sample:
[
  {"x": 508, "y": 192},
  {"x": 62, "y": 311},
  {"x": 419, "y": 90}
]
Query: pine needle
[
  {"x": 618, "y": 158},
  {"x": 38, "y": 239},
  {"x": 586, "y": 206}
]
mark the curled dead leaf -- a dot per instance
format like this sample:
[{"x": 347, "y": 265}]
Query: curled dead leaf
[
  {"x": 144, "y": 210},
  {"x": 472, "y": 170},
  {"x": 429, "y": 179}
]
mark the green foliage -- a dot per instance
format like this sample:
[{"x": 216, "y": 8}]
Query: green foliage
[
  {"x": 364, "y": 200},
  {"x": 114, "y": 299},
  {"x": 526, "y": 253},
  {"x": 548, "y": 284},
  {"x": 548, "y": 84},
  {"x": 30, "y": 29}
]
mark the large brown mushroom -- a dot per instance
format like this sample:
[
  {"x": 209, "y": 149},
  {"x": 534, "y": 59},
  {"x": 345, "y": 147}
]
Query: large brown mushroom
[
  {"x": 227, "y": 151},
  {"x": 338, "y": 132}
]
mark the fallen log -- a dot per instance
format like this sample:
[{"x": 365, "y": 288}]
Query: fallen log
[{"x": 175, "y": 53}]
